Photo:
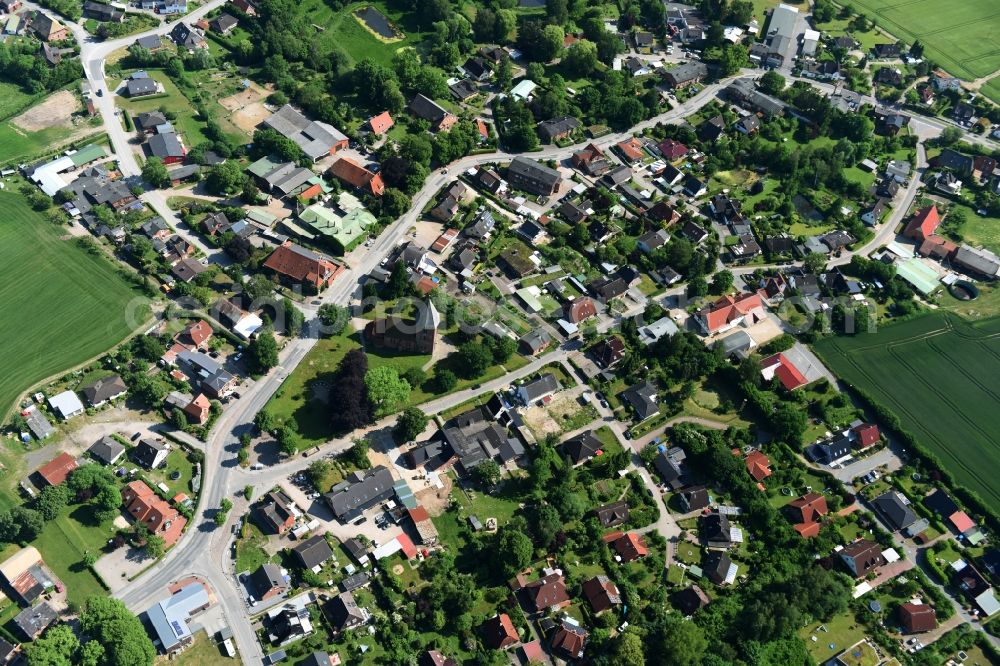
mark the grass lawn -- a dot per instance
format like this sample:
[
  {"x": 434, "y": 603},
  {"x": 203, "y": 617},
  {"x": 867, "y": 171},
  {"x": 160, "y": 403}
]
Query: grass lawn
[
  {"x": 987, "y": 305},
  {"x": 188, "y": 123},
  {"x": 177, "y": 461},
  {"x": 63, "y": 543},
  {"x": 840, "y": 633},
  {"x": 203, "y": 652},
  {"x": 341, "y": 29},
  {"x": 250, "y": 552},
  {"x": 41, "y": 274},
  {"x": 688, "y": 553},
  {"x": 936, "y": 373},
  {"x": 979, "y": 230}
]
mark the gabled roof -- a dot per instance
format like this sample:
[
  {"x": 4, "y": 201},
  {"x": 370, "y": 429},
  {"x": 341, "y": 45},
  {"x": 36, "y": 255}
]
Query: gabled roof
[
  {"x": 758, "y": 465},
  {"x": 894, "y": 510},
  {"x": 313, "y": 552},
  {"x": 547, "y": 592},
  {"x": 300, "y": 264},
  {"x": 781, "y": 366},
  {"x": 629, "y": 545},
  {"x": 499, "y": 633},
  {"x": 612, "y": 514},
  {"x": 582, "y": 447},
  {"x": 426, "y": 108},
  {"x": 107, "y": 450},
  {"x": 58, "y": 469},
  {"x": 917, "y": 618}
]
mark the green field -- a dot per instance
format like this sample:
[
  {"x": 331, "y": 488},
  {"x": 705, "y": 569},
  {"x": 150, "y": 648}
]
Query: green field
[
  {"x": 61, "y": 305},
  {"x": 341, "y": 30},
  {"x": 959, "y": 36},
  {"x": 64, "y": 542},
  {"x": 980, "y": 230},
  {"x": 15, "y": 143},
  {"x": 937, "y": 372}
]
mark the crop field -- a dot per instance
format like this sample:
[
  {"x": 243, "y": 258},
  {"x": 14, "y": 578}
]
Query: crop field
[
  {"x": 959, "y": 36},
  {"x": 938, "y": 374},
  {"x": 59, "y": 305}
]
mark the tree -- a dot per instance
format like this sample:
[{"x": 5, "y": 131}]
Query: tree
[
  {"x": 411, "y": 423},
  {"x": 265, "y": 421},
  {"x": 155, "y": 173},
  {"x": 444, "y": 380},
  {"x": 628, "y": 650},
  {"x": 386, "y": 389},
  {"x": 722, "y": 282},
  {"x": 488, "y": 473},
  {"x": 547, "y": 524},
  {"x": 58, "y": 647},
  {"x": 111, "y": 624},
  {"x": 225, "y": 179},
  {"x": 262, "y": 352},
  {"x": 52, "y": 500},
  {"x": 815, "y": 262},
  {"x": 540, "y": 43},
  {"x": 950, "y": 136},
  {"x": 334, "y": 318},
  {"x": 473, "y": 359},
  {"x": 259, "y": 287},
  {"x": 771, "y": 82},
  {"x": 514, "y": 550},
  {"x": 357, "y": 455},
  {"x": 501, "y": 348},
  {"x": 294, "y": 319},
  {"x": 677, "y": 642},
  {"x": 155, "y": 546},
  {"x": 557, "y": 11},
  {"x": 287, "y": 440},
  {"x": 581, "y": 59}
]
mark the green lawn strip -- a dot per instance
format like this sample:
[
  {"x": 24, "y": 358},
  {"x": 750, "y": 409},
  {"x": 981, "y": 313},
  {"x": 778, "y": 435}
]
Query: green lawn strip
[
  {"x": 64, "y": 542},
  {"x": 841, "y": 632},
  {"x": 41, "y": 274}
]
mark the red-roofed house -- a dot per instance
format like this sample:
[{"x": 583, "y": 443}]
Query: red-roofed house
[
  {"x": 499, "y": 632},
  {"x": 194, "y": 335},
  {"x": 806, "y": 511},
  {"x": 961, "y": 522},
  {"x": 917, "y": 618},
  {"x": 381, "y": 123},
  {"x": 781, "y": 367},
  {"x": 631, "y": 150},
  {"x": 406, "y": 545},
  {"x": 350, "y": 172},
  {"x": 758, "y": 465},
  {"x": 672, "y": 150},
  {"x": 484, "y": 131},
  {"x": 547, "y": 593},
  {"x": 198, "y": 409},
  {"x": 867, "y": 434},
  {"x": 532, "y": 653},
  {"x": 569, "y": 639},
  {"x": 56, "y": 470},
  {"x": 580, "y": 309},
  {"x": 923, "y": 224},
  {"x": 731, "y": 311},
  {"x": 145, "y": 507},
  {"x": 302, "y": 265},
  {"x": 629, "y": 545}
]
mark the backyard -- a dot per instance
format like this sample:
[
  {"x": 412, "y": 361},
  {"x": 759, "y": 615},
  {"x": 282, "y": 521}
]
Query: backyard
[
  {"x": 65, "y": 541},
  {"x": 41, "y": 272}
]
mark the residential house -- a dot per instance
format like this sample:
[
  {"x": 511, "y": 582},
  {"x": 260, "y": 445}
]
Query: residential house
[
  {"x": 670, "y": 464},
  {"x": 591, "y": 160},
  {"x": 917, "y": 618},
  {"x": 104, "y": 390},
  {"x": 534, "y": 177},
  {"x": 663, "y": 213},
  {"x": 888, "y": 76},
  {"x": 963, "y": 113},
  {"x": 302, "y": 266},
  {"x": 686, "y": 74},
  {"x": 146, "y": 508},
  {"x": 427, "y": 109},
  {"x": 580, "y": 309},
  {"x": 223, "y": 24},
  {"x": 718, "y": 532},
  {"x": 149, "y": 453},
  {"x": 188, "y": 38},
  {"x": 463, "y": 90},
  {"x": 499, "y": 633},
  {"x": 351, "y": 173},
  {"x": 569, "y": 639},
  {"x": 730, "y": 311},
  {"x": 712, "y": 129},
  {"x": 642, "y": 398},
  {"x": 805, "y": 513},
  {"x": 167, "y": 147},
  {"x": 694, "y": 499},
  {"x": 923, "y": 224},
  {"x": 758, "y": 465},
  {"x": 313, "y": 552},
  {"x": 690, "y": 600},
  {"x": 248, "y": 7},
  {"x": 747, "y": 125},
  {"x": 609, "y": 351},
  {"x": 107, "y": 450},
  {"x": 694, "y": 188},
  {"x": 538, "y": 389},
  {"x": 316, "y": 139},
  {"x": 345, "y": 613},
  {"x": 103, "y": 12},
  {"x": 582, "y": 447},
  {"x": 47, "y": 28},
  {"x": 872, "y": 215},
  {"x": 546, "y": 593},
  {"x": 477, "y": 69},
  {"x": 612, "y": 515},
  {"x": 629, "y": 546},
  {"x": 601, "y": 593},
  {"x": 631, "y": 150},
  {"x": 653, "y": 240},
  {"x": 359, "y": 492},
  {"x": 886, "y": 51},
  {"x": 952, "y": 160},
  {"x": 275, "y": 513},
  {"x": 862, "y": 557},
  {"x": 57, "y": 470},
  {"x": 779, "y": 366},
  {"x": 894, "y": 510},
  {"x": 557, "y": 129},
  {"x": 267, "y": 582},
  {"x": 381, "y": 123},
  {"x": 672, "y": 150},
  {"x": 534, "y": 342},
  {"x": 31, "y": 622},
  {"x": 719, "y": 568}
]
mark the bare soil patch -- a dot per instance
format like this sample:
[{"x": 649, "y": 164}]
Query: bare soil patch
[
  {"x": 248, "y": 117},
  {"x": 56, "y": 111}
]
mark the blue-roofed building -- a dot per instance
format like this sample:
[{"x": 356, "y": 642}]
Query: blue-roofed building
[{"x": 169, "y": 618}]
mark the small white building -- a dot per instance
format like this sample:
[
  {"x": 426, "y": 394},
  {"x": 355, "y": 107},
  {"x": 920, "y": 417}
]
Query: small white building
[
  {"x": 810, "y": 39},
  {"x": 66, "y": 405}
]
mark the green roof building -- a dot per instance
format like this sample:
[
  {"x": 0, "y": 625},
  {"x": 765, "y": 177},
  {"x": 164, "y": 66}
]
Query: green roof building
[
  {"x": 344, "y": 226},
  {"x": 87, "y": 154}
]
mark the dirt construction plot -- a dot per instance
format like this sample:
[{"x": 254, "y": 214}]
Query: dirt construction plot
[
  {"x": 547, "y": 420},
  {"x": 246, "y": 107},
  {"x": 56, "y": 111}
]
